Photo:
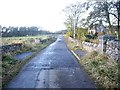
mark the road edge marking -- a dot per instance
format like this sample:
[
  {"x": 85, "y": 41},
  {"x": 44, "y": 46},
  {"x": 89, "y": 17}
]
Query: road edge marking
[{"x": 75, "y": 54}]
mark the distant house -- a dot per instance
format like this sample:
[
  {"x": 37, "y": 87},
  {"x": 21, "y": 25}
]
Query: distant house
[{"x": 96, "y": 28}]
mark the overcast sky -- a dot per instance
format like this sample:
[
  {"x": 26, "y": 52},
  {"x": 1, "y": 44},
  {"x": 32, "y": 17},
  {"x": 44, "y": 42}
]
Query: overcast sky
[{"x": 45, "y": 13}]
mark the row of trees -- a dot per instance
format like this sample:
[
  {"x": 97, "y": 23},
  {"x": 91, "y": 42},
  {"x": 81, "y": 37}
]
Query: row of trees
[
  {"x": 22, "y": 31},
  {"x": 107, "y": 11}
]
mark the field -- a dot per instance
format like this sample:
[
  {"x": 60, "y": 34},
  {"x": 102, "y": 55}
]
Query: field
[{"x": 13, "y": 40}]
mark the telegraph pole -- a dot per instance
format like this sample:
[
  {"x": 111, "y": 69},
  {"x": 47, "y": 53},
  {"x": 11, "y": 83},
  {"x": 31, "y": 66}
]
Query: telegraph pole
[{"x": 74, "y": 30}]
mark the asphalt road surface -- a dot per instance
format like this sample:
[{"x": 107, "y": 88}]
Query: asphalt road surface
[{"x": 54, "y": 67}]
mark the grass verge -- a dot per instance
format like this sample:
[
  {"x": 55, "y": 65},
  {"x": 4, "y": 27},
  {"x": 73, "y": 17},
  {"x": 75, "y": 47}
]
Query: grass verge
[
  {"x": 73, "y": 44},
  {"x": 103, "y": 70}
]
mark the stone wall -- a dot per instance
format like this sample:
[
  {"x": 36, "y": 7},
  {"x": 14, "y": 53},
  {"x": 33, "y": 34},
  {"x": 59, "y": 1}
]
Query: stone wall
[
  {"x": 10, "y": 48},
  {"x": 89, "y": 46},
  {"x": 111, "y": 48},
  {"x": 18, "y": 46}
]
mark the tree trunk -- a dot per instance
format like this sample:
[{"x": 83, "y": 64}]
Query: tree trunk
[
  {"x": 108, "y": 17},
  {"x": 110, "y": 26},
  {"x": 118, "y": 10}
]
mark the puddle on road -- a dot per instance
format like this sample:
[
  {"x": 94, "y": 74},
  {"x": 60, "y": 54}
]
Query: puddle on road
[{"x": 23, "y": 56}]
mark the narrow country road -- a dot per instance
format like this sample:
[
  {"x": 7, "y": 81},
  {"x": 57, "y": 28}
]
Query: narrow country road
[{"x": 54, "y": 67}]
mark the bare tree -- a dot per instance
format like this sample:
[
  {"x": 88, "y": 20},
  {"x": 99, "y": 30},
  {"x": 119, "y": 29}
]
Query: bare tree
[
  {"x": 102, "y": 10},
  {"x": 72, "y": 13}
]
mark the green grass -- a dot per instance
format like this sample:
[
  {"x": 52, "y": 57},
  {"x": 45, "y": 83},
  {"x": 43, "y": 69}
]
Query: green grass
[{"x": 8, "y": 63}]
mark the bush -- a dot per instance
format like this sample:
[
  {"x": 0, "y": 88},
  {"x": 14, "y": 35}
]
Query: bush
[
  {"x": 8, "y": 60},
  {"x": 89, "y": 36},
  {"x": 7, "y": 63},
  {"x": 69, "y": 34},
  {"x": 92, "y": 38},
  {"x": 81, "y": 32}
]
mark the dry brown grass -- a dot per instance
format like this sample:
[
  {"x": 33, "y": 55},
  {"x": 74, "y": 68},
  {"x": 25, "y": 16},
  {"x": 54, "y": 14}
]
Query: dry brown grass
[
  {"x": 102, "y": 69},
  {"x": 72, "y": 44}
]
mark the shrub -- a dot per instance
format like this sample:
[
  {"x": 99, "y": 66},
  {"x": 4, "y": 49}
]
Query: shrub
[
  {"x": 8, "y": 59},
  {"x": 81, "y": 32},
  {"x": 89, "y": 36}
]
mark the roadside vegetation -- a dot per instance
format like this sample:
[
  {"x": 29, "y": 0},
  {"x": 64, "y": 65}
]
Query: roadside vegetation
[
  {"x": 11, "y": 66},
  {"x": 0, "y": 72},
  {"x": 83, "y": 35},
  {"x": 73, "y": 44},
  {"x": 102, "y": 69},
  {"x": 103, "y": 17}
]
